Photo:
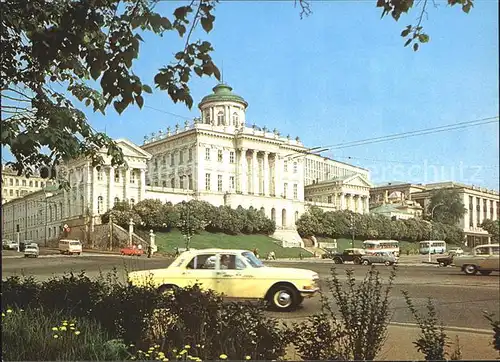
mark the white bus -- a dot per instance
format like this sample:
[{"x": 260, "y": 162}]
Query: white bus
[
  {"x": 377, "y": 246},
  {"x": 432, "y": 247}
]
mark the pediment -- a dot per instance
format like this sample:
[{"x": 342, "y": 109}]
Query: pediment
[
  {"x": 356, "y": 180},
  {"x": 129, "y": 149}
]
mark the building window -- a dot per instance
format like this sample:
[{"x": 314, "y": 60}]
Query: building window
[
  {"x": 11, "y": 192},
  {"x": 62, "y": 210},
  {"x": 295, "y": 167},
  {"x": 181, "y": 156},
  {"x": 207, "y": 117},
  {"x": 172, "y": 159},
  {"x": 164, "y": 183},
  {"x": 172, "y": 183},
  {"x": 117, "y": 200},
  {"x": 117, "y": 175},
  {"x": 207, "y": 154},
  {"x": 17, "y": 192},
  {"x": 132, "y": 176},
  {"x": 24, "y": 182},
  {"x": 31, "y": 183},
  {"x": 329, "y": 199},
  {"x": 219, "y": 155},
  {"x": 219, "y": 183},
  {"x": 132, "y": 202},
  {"x": 207, "y": 181},
  {"x": 190, "y": 154},
  {"x": 220, "y": 118},
  {"x": 235, "y": 118},
  {"x": 41, "y": 184},
  {"x": 285, "y": 165},
  {"x": 285, "y": 187},
  {"x": 190, "y": 181},
  {"x": 295, "y": 192},
  {"x": 100, "y": 205},
  {"x": 231, "y": 157},
  {"x": 11, "y": 182},
  {"x": 17, "y": 182},
  {"x": 99, "y": 174},
  {"x": 232, "y": 184}
]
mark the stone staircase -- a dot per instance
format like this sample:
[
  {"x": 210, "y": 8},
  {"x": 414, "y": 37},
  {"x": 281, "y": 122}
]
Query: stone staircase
[
  {"x": 319, "y": 252},
  {"x": 288, "y": 238}
]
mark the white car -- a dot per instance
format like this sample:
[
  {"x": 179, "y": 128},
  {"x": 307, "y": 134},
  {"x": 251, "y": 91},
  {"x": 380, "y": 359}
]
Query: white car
[
  {"x": 10, "y": 245},
  {"x": 455, "y": 251}
]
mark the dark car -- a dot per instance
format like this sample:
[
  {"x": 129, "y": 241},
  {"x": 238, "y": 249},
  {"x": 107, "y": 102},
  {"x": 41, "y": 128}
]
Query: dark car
[{"x": 348, "y": 255}]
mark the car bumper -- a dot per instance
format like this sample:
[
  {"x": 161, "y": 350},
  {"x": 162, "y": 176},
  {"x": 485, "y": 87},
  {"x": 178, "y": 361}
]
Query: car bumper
[
  {"x": 31, "y": 254},
  {"x": 309, "y": 293}
]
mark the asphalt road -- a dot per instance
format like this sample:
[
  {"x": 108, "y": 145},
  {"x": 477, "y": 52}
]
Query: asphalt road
[{"x": 460, "y": 300}]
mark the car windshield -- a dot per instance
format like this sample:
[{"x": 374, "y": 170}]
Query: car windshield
[
  {"x": 30, "y": 247},
  {"x": 252, "y": 259},
  {"x": 74, "y": 243}
]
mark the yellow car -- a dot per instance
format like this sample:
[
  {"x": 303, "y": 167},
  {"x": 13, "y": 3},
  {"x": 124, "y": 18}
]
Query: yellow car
[{"x": 235, "y": 274}]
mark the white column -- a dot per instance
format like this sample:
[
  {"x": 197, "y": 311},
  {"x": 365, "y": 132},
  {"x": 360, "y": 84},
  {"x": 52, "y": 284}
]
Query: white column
[
  {"x": 342, "y": 201},
  {"x": 474, "y": 212},
  {"x": 367, "y": 204},
  {"x": 360, "y": 205},
  {"x": 255, "y": 173},
  {"x": 243, "y": 171},
  {"x": 495, "y": 215},
  {"x": 77, "y": 207},
  {"x": 126, "y": 183},
  {"x": 111, "y": 188},
  {"x": 92, "y": 201},
  {"x": 266, "y": 173},
  {"x": 277, "y": 175},
  {"x": 142, "y": 189}
]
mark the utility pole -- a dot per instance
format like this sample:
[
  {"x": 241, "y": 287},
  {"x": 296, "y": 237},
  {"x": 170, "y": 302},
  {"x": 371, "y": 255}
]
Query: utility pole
[{"x": 352, "y": 230}]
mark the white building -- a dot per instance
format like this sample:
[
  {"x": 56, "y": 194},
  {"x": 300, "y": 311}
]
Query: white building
[
  {"x": 14, "y": 186},
  {"x": 218, "y": 159}
]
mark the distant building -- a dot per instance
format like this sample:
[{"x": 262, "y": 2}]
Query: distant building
[
  {"x": 216, "y": 158},
  {"x": 481, "y": 203},
  {"x": 14, "y": 186}
]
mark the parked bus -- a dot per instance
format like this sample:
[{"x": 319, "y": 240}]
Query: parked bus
[
  {"x": 435, "y": 246},
  {"x": 377, "y": 246}
]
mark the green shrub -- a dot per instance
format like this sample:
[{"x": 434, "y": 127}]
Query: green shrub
[
  {"x": 142, "y": 316},
  {"x": 495, "y": 324},
  {"x": 432, "y": 340},
  {"x": 360, "y": 331},
  {"x": 38, "y": 335}
]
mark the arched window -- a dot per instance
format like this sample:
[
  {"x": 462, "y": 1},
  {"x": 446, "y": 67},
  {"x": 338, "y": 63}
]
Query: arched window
[
  {"x": 207, "y": 117},
  {"x": 283, "y": 218},
  {"x": 55, "y": 212},
  {"x": 50, "y": 213},
  {"x": 296, "y": 216},
  {"x": 235, "y": 119},
  {"x": 273, "y": 214},
  {"x": 220, "y": 118},
  {"x": 117, "y": 200},
  {"x": 172, "y": 183},
  {"x": 132, "y": 202},
  {"x": 100, "y": 205},
  {"x": 62, "y": 210}
]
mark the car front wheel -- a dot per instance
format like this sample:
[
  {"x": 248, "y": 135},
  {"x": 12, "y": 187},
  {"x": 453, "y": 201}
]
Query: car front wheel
[
  {"x": 284, "y": 298},
  {"x": 366, "y": 262},
  {"x": 470, "y": 269},
  {"x": 388, "y": 263},
  {"x": 337, "y": 261}
]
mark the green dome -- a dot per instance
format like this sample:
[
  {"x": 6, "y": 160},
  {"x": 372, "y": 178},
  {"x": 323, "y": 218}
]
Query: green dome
[{"x": 222, "y": 93}]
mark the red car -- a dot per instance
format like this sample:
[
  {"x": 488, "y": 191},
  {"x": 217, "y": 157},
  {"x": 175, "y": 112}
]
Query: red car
[{"x": 131, "y": 251}]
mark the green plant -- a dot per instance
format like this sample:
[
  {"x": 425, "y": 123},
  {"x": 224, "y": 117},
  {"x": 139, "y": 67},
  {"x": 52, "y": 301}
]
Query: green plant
[
  {"x": 432, "y": 340},
  {"x": 456, "y": 355},
  {"x": 361, "y": 328},
  {"x": 495, "y": 323},
  {"x": 36, "y": 334}
]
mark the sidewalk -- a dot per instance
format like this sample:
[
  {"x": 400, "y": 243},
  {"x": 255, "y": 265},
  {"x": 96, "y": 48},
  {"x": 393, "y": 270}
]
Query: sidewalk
[{"x": 399, "y": 345}]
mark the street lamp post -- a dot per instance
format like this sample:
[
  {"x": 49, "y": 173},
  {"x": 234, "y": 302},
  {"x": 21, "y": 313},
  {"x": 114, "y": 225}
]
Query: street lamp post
[{"x": 432, "y": 228}]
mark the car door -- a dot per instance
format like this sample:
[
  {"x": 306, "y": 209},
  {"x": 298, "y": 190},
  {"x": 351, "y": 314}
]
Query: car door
[
  {"x": 234, "y": 278},
  {"x": 491, "y": 261},
  {"x": 200, "y": 270}
]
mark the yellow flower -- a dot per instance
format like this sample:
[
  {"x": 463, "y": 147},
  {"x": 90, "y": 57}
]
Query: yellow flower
[
  {"x": 72, "y": 324},
  {"x": 65, "y": 323},
  {"x": 147, "y": 354},
  {"x": 198, "y": 346},
  {"x": 132, "y": 358},
  {"x": 248, "y": 357},
  {"x": 9, "y": 310},
  {"x": 21, "y": 310},
  {"x": 77, "y": 333},
  {"x": 174, "y": 350},
  {"x": 223, "y": 356},
  {"x": 55, "y": 328},
  {"x": 182, "y": 352},
  {"x": 187, "y": 346},
  {"x": 56, "y": 336},
  {"x": 72, "y": 328},
  {"x": 63, "y": 328},
  {"x": 132, "y": 345}
]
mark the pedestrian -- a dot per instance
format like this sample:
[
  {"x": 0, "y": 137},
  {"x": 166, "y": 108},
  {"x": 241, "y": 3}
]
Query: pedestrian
[
  {"x": 150, "y": 251},
  {"x": 300, "y": 256}
]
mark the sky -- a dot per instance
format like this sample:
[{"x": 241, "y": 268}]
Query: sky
[{"x": 342, "y": 74}]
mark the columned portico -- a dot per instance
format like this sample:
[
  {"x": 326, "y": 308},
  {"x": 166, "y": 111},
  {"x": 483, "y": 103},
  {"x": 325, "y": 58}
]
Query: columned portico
[{"x": 111, "y": 187}]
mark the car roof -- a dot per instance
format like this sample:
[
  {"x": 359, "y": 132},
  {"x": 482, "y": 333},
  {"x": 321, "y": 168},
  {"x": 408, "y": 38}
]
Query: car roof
[{"x": 213, "y": 250}]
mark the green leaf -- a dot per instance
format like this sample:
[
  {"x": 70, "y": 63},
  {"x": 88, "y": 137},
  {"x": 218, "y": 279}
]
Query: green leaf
[
  {"x": 207, "y": 23},
  {"x": 408, "y": 42},
  {"x": 423, "y": 38},
  {"x": 181, "y": 12},
  {"x": 216, "y": 72},
  {"x": 119, "y": 106},
  {"x": 95, "y": 71},
  {"x": 146, "y": 88},
  {"x": 87, "y": 102},
  {"x": 405, "y": 33},
  {"x": 198, "y": 71},
  {"x": 415, "y": 46},
  {"x": 139, "y": 100},
  {"x": 466, "y": 8}
]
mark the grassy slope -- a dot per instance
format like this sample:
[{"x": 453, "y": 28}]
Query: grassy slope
[{"x": 168, "y": 241}]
